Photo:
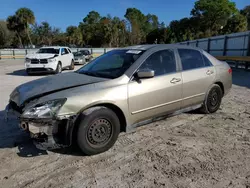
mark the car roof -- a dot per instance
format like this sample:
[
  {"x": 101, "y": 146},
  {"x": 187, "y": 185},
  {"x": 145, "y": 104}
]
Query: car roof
[
  {"x": 55, "y": 47},
  {"x": 150, "y": 46}
]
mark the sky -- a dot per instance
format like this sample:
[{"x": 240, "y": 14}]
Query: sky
[{"x": 62, "y": 13}]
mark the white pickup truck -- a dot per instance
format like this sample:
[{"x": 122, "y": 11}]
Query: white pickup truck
[{"x": 49, "y": 59}]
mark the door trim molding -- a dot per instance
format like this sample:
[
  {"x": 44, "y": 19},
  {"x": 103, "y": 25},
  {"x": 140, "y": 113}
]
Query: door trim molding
[
  {"x": 157, "y": 106},
  {"x": 164, "y": 104}
]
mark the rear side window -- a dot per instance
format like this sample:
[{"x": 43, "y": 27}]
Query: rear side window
[
  {"x": 162, "y": 62},
  {"x": 207, "y": 62},
  {"x": 69, "y": 50},
  {"x": 191, "y": 59}
]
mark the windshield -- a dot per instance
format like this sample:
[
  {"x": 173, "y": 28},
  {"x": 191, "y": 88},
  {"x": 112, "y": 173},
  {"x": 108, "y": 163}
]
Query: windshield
[
  {"x": 78, "y": 53},
  {"x": 112, "y": 64},
  {"x": 48, "y": 51}
]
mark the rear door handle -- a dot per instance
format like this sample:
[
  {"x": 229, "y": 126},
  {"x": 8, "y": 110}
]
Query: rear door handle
[
  {"x": 175, "y": 80},
  {"x": 209, "y": 72}
]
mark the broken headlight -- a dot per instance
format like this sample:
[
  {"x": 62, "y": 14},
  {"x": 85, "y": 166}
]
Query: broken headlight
[{"x": 44, "y": 110}]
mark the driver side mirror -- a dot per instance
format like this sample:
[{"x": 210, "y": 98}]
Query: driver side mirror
[{"x": 145, "y": 73}]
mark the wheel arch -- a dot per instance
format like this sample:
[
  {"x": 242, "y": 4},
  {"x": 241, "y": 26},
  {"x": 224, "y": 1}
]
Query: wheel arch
[
  {"x": 113, "y": 107},
  {"x": 221, "y": 86}
]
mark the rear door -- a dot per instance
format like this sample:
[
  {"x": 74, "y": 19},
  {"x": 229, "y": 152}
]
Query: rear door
[
  {"x": 153, "y": 96},
  {"x": 198, "y": 74}
]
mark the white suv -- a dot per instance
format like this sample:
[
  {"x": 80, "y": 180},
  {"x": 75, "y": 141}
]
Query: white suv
[{"x": 49, "y": 59}]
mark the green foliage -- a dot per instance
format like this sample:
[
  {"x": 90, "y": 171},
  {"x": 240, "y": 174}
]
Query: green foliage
[
  {"x": 213, "y": 14},
  {"x": 246, "y": 12},
  {"x": 5, "y": 35},
  {"x": 208, "y": 18}
]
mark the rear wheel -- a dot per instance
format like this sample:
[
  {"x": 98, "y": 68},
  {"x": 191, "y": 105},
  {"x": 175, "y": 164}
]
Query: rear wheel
[
  {"x": 59, "y": 68},
  {"x": 72, "y": 65},
  {"x": 98, "y": 130},
  {"x": 213, "y": 100}
]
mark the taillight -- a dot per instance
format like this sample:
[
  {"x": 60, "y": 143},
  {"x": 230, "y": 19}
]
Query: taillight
[{"x": 230, "y": 71}]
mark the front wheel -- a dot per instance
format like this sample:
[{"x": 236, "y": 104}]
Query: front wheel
[
  {"x": 72, "y": 65},
  {"x": 213, "y": 100},
  {"x": 58, "y": 68},
  {"x": 98, "y": 130}
]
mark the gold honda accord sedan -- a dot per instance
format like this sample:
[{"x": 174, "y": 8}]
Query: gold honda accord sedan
[{"x": 116, "y": 92}]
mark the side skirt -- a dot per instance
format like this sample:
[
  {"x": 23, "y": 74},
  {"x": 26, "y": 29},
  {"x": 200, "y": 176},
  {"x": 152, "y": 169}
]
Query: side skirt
[{"x": 133, "y": 127}]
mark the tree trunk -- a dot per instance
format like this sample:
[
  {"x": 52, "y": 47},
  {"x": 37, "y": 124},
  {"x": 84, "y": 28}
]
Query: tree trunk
[
  {"x": 29, "y": 36},
  {"x": 20, "y": 40}
]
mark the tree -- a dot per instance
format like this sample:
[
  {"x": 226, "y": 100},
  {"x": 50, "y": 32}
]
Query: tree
[
  {"x": 74, "y": 35},
  {"x": 137, "y": 21},
  {"x": 44, "y": 34},
  {"x": 14, "y": 24},
  {"x": 5, "y": 35},
  {"x": 237, "y": 23},
  {"x": 213, "y": 14},
  {"x": 246, "y": 13},
  {"x": 161, "y": 35},
  {"x": 26, "y": 17}
]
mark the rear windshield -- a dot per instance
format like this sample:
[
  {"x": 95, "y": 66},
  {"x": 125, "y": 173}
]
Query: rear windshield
[
  {"x": 48, "y": 51},
  {"x": 113, "y": 64}
]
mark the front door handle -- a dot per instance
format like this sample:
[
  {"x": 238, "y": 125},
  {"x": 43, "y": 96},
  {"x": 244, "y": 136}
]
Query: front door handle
[
  {"x": 175, "y": 80},
  {"x": 209, "y": 72}
]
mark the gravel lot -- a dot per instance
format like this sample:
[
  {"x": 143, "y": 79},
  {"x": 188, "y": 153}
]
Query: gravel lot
[{"x": 189, "y": 150}]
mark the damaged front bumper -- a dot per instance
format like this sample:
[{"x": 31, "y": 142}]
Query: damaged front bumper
[{"x": 47, "y": 133}]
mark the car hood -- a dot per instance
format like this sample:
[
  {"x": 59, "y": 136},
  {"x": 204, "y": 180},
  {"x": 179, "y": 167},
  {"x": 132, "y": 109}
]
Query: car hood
[
  {"x": 50, "y": 84},
  {"x": 40, "y": 56}
]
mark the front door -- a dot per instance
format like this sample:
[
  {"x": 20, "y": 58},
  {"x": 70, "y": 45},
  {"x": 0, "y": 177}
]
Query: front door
[
  {"x": 197, "y": 74},
  {"x": 65, "y": 57},
  {"x": 154, "y": 96}
]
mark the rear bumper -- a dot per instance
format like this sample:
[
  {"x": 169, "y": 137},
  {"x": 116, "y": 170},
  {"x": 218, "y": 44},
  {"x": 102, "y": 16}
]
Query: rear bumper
[{"x": 79, "y": 61}]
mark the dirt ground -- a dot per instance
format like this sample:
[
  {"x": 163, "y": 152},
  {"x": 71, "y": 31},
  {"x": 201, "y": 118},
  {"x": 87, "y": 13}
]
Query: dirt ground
[{"x": 188, "y": 150}]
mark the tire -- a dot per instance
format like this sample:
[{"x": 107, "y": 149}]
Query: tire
[
  {"x": 213, "y": 100},
  {"x": 72, "y": 65},
  {"x": 98, "y": 130},
  {"x": 58, "y": 68}
]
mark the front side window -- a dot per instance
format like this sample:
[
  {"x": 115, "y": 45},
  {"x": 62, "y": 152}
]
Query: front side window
[
  {"x": 66, "y": 51},
  {"x": 162, "y": 62},
  {"x": 191, "y": 59},
  {"x": 113, "y": 64},
  {"x": 62, "y": 51}
]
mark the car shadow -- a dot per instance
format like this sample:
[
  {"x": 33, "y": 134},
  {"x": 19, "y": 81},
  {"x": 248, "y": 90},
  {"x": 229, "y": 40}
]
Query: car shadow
[
  {"x": 241, "y": 77},
  {"x": 22, "y": 72},
  {"x": 72, "y": 150},
  {"x": 12, "y": 136}
]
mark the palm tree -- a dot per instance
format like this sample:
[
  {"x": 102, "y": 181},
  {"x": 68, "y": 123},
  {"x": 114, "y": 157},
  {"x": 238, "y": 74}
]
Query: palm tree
[
  {"x": 26, "y": 17},
  {"x": 14, "y": 24}
]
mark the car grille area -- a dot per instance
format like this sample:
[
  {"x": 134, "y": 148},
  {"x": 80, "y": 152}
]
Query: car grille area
[{"x": 39, "y": 61}]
